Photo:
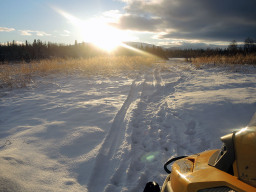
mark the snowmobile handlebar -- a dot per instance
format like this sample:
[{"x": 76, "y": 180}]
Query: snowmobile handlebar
[
  {"x": 153, "y": 186},
  {"x": 171, "y": 161}
]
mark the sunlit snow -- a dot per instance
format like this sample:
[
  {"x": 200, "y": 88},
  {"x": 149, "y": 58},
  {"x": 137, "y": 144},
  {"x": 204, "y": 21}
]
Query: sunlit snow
[{"x": 113, "y": 134}]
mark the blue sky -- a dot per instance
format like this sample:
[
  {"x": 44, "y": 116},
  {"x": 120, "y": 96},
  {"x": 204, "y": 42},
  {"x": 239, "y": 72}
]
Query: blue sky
[
  {"x": 163, "y": 22},
  {"x": 39, "y": 17}
]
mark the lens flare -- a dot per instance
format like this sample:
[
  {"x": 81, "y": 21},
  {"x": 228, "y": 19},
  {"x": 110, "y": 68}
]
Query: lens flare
[{"x": 149, "y": 157}]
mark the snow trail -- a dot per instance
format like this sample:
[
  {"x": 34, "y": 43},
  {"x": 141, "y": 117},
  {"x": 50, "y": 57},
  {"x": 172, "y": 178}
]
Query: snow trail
[
  {"x": 136, "y": 138},
  {"x": 106, "y": 161},
  {"x": 149, "y": 138}
]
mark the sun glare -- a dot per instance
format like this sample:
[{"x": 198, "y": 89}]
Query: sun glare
[{"x": 99, "y": 33}]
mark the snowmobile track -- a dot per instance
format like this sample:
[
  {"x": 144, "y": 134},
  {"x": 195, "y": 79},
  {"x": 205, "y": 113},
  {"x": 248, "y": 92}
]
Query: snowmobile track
[
  {"x": 105, "y": 160},
  {"x": 135, "y": 131}
]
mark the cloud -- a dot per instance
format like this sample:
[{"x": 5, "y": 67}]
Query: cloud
[
  {"x": 25, "y": 32},
  {"x": 186, "y": 44},
  {"x": 30, "y": 32},
  {"x": 66, "y": 33},
  {"x": 112, "y": 14},
  {"x": 138, "y": 23},
  {"x": 6, "y": 29},
  {"x": 185, "y": 19}
]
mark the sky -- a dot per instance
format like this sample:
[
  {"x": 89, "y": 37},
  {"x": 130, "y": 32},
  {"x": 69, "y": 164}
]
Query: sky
[{"x": 191, "y": 23}]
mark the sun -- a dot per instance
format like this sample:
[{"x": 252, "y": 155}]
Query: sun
[
  {"x": 98, "y": 31},
  {"x": 101, "y": 34}
]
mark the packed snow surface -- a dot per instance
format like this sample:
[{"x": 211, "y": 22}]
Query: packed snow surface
[{"x": 114, "y": 133}]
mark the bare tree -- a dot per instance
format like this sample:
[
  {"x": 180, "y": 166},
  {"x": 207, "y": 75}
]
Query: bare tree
[
  {"x": 249, "y": 45},
  {"x": 233, "y": 48}
]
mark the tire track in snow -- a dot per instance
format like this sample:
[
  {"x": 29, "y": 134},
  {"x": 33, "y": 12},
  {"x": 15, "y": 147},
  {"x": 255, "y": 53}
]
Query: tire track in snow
[
  {"x": 135, "y": 148},
  {"x": 154, "y": 136},
  {"x": 106, "y": 161},
  {"x": 146, "y": 135},
  {"x": 127, "y": 162},
  {"x": 158, "y": 81},
  {"x": 141, "y": 136}
]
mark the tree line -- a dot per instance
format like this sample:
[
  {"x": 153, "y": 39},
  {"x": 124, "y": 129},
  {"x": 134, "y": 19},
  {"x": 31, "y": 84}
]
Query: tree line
[
  {"x": 42, "y": 50},
  {"x": 248, "y": 47}
]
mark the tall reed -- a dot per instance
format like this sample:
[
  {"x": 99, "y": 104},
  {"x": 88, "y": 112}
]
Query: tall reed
[
  {"x": 19, "y": 75},
  {"x": 232, "y": 59}
]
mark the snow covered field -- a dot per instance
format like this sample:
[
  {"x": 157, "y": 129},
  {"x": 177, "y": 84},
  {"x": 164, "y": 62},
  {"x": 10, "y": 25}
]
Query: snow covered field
[{"x": 112, "y": 134}]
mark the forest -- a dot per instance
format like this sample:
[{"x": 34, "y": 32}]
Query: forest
[{"x": 26, "y": 52}]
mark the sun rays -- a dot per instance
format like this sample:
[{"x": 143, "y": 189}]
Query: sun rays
[{"x": 98, "y": 31}]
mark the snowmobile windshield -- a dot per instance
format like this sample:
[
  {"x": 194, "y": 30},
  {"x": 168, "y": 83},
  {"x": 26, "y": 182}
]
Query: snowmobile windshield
[
  {"x": 251, "y": 128},
  {"x": 224, "y": 158},
  {"x": 253, "y": 121},
  {"x": 245, "y": 146}
]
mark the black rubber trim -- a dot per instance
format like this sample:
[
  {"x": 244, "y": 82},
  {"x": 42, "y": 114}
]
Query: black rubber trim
[{"x": 171, "y": 161}]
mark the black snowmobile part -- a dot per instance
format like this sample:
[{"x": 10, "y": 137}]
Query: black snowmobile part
[{"x": 171, "y": 161}]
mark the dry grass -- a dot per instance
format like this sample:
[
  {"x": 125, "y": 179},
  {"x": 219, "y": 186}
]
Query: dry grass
[
  {"x": 19, "y": 75},
  {"x": 221, "y": 60}
]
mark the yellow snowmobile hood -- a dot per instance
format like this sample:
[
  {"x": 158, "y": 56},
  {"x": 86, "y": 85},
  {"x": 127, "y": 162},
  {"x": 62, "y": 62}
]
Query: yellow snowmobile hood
[
  {"x": 194, "y": 174},
  {"x": 230, "y": 169}
]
